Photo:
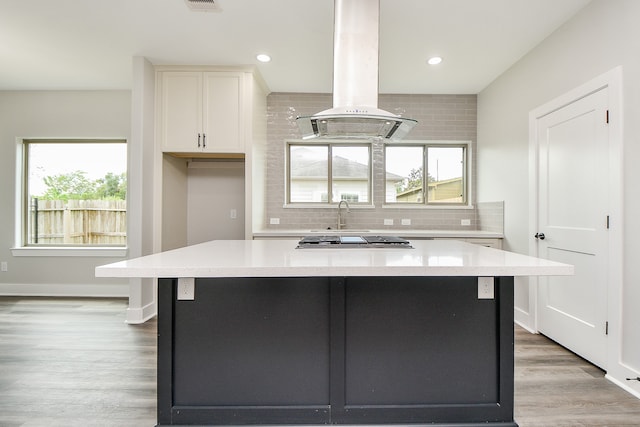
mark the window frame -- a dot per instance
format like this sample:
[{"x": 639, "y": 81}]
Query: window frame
[
  {"x": 22, "y": 246},
  {"x": 329, "y": 144},
  {"x": 466, "y": 173}
]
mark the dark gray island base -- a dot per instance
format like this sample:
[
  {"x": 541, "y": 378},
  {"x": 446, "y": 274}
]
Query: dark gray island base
[{"x": 336, "y": 350}]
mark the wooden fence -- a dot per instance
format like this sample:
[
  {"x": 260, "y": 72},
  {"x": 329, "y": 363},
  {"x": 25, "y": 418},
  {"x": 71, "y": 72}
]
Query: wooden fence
[{"x": 78, "y": 222}]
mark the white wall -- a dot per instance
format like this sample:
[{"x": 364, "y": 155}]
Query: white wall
[
  {"x": 174, "y": 203},
  {"x": 54, "y": 114},
  {"x": 197, "y": 199},
  {"x": 213, "y": 190},
  {"x": 142, "y": 173},
  {"x": 601, "y": 37}
]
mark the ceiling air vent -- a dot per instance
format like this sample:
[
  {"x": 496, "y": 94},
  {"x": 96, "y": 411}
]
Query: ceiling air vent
[{"x": 203, "y": 5}]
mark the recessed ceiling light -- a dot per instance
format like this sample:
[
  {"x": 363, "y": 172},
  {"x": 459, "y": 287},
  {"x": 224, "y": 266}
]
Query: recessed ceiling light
[
  {"x": 435, "y": 60},
  {"x": 263, "y": 57}
]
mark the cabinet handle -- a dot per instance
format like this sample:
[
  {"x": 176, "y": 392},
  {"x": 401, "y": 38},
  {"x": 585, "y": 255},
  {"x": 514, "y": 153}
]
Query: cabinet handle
[
  {"x": 198, "y": 140},
  {"x": 204, "y": 140}
]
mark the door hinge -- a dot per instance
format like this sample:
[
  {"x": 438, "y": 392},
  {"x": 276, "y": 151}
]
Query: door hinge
[
  {"x": 606, "y": 328},
  {"x": 607, "y": 116},
  {"x": 608, "y": 222}
]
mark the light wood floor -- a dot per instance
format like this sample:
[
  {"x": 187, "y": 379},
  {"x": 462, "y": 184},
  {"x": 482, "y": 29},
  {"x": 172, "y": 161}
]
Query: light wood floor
[
  {"x": 556, "y": 388},
  {"x": 74, "y": 362}
]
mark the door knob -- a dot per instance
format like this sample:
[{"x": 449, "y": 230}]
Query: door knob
[{"x": 539, "y": 236}]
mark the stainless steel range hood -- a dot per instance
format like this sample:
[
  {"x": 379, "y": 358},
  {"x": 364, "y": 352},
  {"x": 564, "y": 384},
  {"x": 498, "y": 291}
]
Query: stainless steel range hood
[{"x": 355, "y": 112}]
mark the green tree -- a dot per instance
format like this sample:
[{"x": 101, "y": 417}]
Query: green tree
[
  {"x": 73, "y": 185},
  {"x": 112, "y": 186},
  {"x": 76, "y": 186},
  {"x": 414, "y": 180}
]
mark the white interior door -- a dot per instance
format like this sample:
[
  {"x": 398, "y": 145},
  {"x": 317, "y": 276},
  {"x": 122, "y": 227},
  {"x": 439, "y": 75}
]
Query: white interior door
[{"x": 572, "y": 224}]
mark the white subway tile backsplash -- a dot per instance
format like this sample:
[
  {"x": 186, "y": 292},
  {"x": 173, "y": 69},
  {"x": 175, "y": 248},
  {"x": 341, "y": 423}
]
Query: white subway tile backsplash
[
  {"x": 490, "y": 216},
  {"x": 440, "y": 117}
]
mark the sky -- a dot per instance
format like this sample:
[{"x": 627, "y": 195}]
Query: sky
[
  {"x": 444, "y": 162},
  {"x": 96, "y": 159}
]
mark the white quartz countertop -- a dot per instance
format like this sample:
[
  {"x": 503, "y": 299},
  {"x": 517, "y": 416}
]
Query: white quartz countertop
[
  {"x": 280, "y": 258},
  {"x": 408, "y": 233}
]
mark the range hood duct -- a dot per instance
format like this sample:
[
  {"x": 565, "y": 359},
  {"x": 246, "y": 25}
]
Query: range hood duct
[{"x": 355, "y": 112}]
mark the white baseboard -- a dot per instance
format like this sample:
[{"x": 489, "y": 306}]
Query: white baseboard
[
  {"x": 525, "y": 326},
  {"x": 139, "y": 315},
  {"x": 64, "y": 290},
  {"x": 523, "y": 319},
  {"x": 624, "y": 386}
]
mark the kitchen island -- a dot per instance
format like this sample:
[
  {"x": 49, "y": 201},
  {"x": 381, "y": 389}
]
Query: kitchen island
[{"x": 262, "y": 333}]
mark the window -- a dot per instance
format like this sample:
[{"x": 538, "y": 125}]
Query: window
[
  {"x": 445, "y": 181},
  {"x": 329, "y": 173},
  {"x": 75, "y": 193}
]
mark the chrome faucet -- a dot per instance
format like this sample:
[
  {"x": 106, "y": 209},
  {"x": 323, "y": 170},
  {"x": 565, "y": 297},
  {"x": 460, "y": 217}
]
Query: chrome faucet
[{"x": 340, "y": 220}]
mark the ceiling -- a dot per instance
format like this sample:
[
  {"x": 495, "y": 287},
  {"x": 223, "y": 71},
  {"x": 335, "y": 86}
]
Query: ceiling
[{"x": 80, "y": 44}]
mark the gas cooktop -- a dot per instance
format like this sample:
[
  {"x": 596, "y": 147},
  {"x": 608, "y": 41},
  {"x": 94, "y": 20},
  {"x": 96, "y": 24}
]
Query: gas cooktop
[{"x": 335, "y": 241}]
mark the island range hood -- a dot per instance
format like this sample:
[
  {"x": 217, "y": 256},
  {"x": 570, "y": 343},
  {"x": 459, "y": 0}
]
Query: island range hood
[{"x": 355, "y": 112}]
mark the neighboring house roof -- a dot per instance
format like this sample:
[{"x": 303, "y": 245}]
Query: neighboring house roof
[
  {"x": 410, "y": 191},
  {"x": 430, "y": 184},
  {"x": 444, "y": 181},
  {"x": 312, "y": 168}
]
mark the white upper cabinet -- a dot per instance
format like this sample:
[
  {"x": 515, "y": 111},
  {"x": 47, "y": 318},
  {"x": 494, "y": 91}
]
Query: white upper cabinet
[
  {"x": 223, "y": 118},
  {"x": 201, "y": 111}
]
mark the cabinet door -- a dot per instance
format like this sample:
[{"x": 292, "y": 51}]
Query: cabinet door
[
  {"x": 181, "y": 105},
  {"x": 222, "y": 115}
]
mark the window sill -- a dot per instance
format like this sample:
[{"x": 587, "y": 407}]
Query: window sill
[{"x": 60, "y": 251}]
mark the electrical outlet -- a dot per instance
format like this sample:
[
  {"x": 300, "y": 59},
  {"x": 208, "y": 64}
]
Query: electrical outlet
[
  {"x": 485, "y": 288},
  {"x": 4, "y": 266},
  {"x": 186, "y": 288},
  {"x": 233, "y": 214},
  {"x": 274, "y": 221},
  {"x": 388, "y": 221},
  {"x": 465, "y": 222},
  {"x": 406, "y": 221}
]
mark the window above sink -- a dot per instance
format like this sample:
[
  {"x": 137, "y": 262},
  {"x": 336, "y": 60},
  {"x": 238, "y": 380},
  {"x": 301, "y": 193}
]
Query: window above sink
[
  {"x": 426, "y": 173},
  {"x": 328, "y": 173},
  {"x": 415, "y": 173}
]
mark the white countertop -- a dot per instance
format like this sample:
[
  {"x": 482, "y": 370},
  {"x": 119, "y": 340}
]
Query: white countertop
[
  {"x": 407, "y": 234},
  {"x": 280, "y": 258}
]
